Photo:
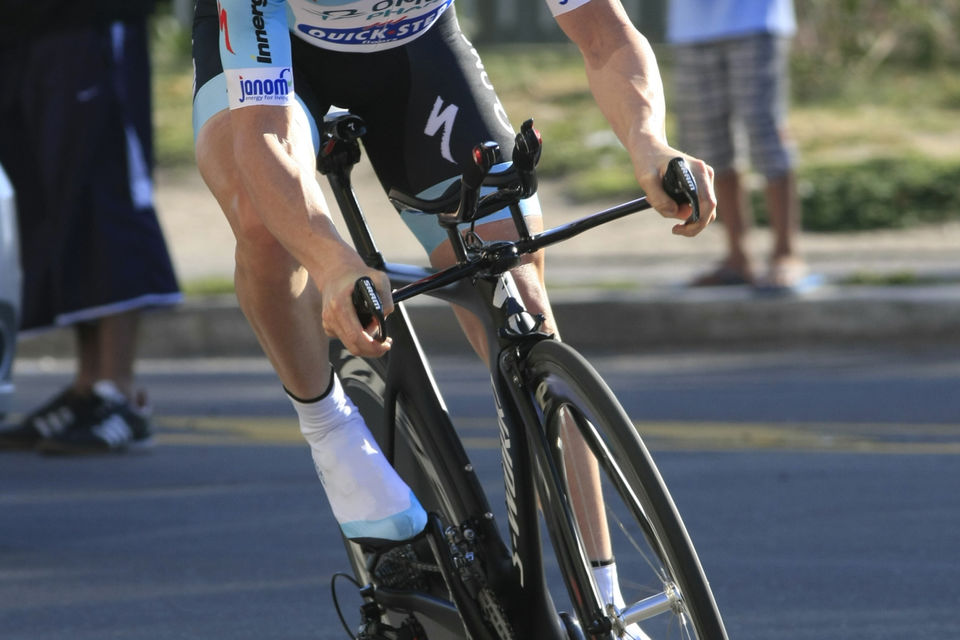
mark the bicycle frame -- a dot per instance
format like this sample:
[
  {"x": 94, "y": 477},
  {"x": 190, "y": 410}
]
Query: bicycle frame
[{"x": 486, "y": 289}]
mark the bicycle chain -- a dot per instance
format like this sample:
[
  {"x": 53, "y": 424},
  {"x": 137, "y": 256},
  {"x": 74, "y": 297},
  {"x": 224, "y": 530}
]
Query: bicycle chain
[
  {"x": 462, "y": 547},
  {"x": 494, "y": 614},
  {"x": 400, "y": 568}
]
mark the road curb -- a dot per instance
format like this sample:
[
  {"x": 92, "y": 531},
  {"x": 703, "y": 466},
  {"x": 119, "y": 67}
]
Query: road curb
[{"x": 609, "y": 322}]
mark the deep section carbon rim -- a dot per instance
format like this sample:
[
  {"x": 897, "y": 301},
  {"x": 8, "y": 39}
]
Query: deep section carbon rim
[{"x": 663, "y": 585}]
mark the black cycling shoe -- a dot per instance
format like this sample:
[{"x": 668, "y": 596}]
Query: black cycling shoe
[
  {"x": 55, "y": 417},
  {"x": 115, "y": 426}
]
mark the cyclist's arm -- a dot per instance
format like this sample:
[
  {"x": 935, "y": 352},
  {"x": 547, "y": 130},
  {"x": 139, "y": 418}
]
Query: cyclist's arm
[
  {"x": 275, "y": 159},
  {"x": 625, "y": 81}
]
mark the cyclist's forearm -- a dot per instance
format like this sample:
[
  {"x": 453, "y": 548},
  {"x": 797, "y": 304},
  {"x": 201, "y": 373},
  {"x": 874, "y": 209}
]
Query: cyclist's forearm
[
  {"x": 621, "y": 69},
  {"x": 279, "y": 178},
  {"x": 629, "y": 92}
]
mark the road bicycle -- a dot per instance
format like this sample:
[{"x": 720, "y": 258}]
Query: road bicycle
[{"x": 466, "y": 575}]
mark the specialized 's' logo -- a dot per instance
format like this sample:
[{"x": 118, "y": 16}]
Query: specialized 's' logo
[
  {"x": 265, "y": 89},
  {"x": 442, "y": 118}
]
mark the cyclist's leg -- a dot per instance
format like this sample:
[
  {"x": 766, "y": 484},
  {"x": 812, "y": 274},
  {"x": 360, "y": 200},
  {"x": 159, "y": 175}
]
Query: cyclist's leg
[
  {"x": 271, "y": 286},
  {"x": 282, "y": 306}
]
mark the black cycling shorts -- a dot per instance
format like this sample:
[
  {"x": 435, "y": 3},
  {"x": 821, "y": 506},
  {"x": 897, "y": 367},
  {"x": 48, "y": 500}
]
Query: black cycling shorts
[{"x": 426, "y": 104}]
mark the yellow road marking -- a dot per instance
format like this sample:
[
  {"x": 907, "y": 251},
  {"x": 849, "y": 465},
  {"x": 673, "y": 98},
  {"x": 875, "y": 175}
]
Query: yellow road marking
[
  {"x": 228, "y": 430},
  {"x": 839, "y": 437},
  {"x": 679, "y": 435}
]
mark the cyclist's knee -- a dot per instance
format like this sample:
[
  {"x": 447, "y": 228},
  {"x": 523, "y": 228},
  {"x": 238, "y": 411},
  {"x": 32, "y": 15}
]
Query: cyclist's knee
[
  {"x": 258, "y": 251},
  {"x": 218, "y": 168},
  {"x": 529, "y": 281}
]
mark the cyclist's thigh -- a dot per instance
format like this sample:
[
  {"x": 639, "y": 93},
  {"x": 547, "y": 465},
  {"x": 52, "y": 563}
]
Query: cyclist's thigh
[
  {"x": 702, "y": 103},
  {"x": 210, "y": 85},
  {"x": 759, "y": 87},
  {"x": 444, "y": 107},
  {"x": 441, "y": 105}
]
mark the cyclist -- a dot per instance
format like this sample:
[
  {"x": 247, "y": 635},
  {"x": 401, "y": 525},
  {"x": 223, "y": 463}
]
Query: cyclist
[{"x": 266, "y": 72}]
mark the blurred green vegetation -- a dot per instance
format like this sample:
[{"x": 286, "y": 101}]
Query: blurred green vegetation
[
  {"x": 877, "y": 193},
  {"x": 843, "y": 40},
  {"x": 875, "y": 112},
  {"x": 212, "y": 286},
  {"x": 894, "y": 279},
  {"x": 172, "y": 91}
]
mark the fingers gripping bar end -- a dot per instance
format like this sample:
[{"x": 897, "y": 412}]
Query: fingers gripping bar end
[
  {"x": 680, "y": 185},
  {"x": 368, "y": 306}
]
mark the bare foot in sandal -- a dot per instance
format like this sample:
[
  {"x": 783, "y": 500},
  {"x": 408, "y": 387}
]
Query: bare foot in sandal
[{"x": 786, "y": 273}]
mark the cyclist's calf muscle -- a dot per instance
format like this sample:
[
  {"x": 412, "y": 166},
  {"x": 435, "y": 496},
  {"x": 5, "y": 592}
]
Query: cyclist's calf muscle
[{"x": 273, "y": 297}]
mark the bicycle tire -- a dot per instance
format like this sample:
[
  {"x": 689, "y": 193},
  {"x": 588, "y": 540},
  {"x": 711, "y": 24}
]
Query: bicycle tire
[
  {"x": 636, "y": 499},
  {"x": 363, "y": 381}
]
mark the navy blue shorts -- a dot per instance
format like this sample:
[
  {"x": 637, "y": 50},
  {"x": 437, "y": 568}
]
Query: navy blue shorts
[{"x": 77, "y": 144}]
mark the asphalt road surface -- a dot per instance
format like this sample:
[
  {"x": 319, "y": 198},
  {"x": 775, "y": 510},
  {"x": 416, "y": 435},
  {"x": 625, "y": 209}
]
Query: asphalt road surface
[{"x": 820, "y": 488}]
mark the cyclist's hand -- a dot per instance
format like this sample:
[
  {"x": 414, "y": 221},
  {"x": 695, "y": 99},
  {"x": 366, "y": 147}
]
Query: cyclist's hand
[
  {"x": 650, "y": 168},
  {"x": 339, "y": 314}
]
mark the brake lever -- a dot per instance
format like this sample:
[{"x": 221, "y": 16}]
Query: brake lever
[
  {"x": 680, "y": 185},
  {"x": 367, "y": 304}
]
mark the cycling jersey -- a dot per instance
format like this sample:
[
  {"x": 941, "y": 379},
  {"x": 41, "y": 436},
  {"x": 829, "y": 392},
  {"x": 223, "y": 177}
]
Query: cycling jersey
[
  {"x": 363, "y": 24},
  {"x": 255, "y": 49}
]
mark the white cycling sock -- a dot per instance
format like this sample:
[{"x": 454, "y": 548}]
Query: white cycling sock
[
  {"x": 368, "y": 497},
  {"x": 609, "y": 586}
]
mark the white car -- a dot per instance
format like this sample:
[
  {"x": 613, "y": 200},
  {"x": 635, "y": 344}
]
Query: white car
[{"x": 10, "y": 277}]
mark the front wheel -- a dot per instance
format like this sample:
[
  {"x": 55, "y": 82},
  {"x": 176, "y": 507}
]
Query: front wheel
[{"x": 665, "y": 592}]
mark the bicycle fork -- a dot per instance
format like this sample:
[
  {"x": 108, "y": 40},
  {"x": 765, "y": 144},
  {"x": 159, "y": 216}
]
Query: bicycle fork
[
  {"x": 520, "y": 422},
  {"x": 531, "y": 475},
  {"x": 546, "y": 478}
]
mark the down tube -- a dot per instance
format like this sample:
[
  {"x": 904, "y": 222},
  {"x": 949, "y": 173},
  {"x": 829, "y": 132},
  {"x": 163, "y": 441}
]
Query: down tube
[{"x": 410, "y": 379}]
